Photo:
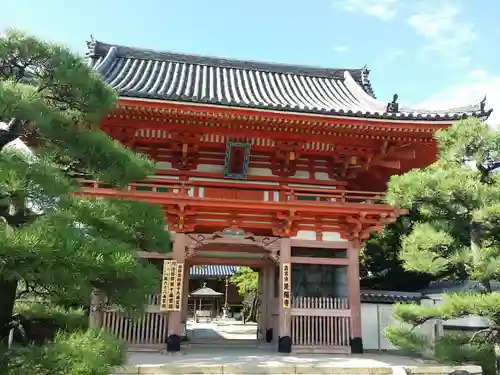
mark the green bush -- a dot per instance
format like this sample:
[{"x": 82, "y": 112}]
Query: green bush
[
  {"x": 65, "y": 319},
  {"x": 78, "y": 353},
  {"x": 453, "y": 348}
]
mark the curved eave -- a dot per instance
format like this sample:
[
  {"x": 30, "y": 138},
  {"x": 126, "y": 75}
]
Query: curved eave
[{"x": 271, "y": 114}]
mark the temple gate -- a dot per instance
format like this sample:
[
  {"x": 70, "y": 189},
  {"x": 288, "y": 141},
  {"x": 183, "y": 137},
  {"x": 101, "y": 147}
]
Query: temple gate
[{"x": 281, "y": 167}]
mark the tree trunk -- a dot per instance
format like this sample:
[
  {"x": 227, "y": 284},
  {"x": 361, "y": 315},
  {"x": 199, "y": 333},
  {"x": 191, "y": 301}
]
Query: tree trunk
[
  {"x": 8, "y": 292},
  {"x": 497, "y": 358},
  {"x": 97, "y": 301}
]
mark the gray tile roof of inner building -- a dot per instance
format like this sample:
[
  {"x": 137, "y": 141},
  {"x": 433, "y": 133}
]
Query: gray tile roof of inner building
[{"x": 141, "y": 73}]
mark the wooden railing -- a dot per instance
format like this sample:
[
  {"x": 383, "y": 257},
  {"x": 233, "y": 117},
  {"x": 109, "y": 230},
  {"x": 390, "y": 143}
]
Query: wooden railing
[{"x": 261, "y": 192}]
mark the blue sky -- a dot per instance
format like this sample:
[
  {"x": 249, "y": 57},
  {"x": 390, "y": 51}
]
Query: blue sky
[{"x": 425, "y": 50}]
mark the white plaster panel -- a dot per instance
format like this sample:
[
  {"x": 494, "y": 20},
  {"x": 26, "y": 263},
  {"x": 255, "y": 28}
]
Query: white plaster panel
[
  {"x": 164, "y": 165},
  {"x": 209, "y": 168},
  {"x": 301, "y": 174},
  {"x": 305, "y": 235},
  {"x": 311, "y": 186},
  {"x": 276, "y": 196},
  {"x": 321, "y": 176},
  {"x": 164, "y": 177},
  {"x": 260, "y": 172},
  {"x": 332, "y": 236}
]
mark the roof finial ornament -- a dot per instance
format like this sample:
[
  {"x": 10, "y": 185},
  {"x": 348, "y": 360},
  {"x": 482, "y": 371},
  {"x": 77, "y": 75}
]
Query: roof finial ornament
[
  {"x": 91, "y": 44},
  {"x": 482, "y": 104},
  {"x": 393, "y": 107}
]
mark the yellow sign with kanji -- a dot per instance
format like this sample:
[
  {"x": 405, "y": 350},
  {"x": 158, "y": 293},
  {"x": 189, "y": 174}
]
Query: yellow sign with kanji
[
  {"x": 171, "y": 286},
  {"x": 285, "y": 284}
]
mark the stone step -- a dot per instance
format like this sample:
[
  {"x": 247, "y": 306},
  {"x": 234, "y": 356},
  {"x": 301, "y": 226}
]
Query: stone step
[{"x": 236, "y": 344}]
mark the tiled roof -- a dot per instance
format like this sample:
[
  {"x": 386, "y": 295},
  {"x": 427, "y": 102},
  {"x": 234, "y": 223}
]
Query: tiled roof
[
  {"x": 458, "y": 286},
  {"x": 141, "y": 73},
  {"x": 212, "y": 271},
  {"x": 205, "y": 291},
  {"x": 383, "y": 296}
]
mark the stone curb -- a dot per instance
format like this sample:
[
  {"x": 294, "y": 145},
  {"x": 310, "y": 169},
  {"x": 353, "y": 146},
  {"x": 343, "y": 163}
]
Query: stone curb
[{"x": 291, "y": 369}]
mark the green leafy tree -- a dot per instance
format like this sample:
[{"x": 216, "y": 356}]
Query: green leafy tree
[
  {"x": 457, "y": 237},
  {"x": 53, "y": 242},
  {"x": 380, "y": 265},
  {"x": 247, "y": 282}
]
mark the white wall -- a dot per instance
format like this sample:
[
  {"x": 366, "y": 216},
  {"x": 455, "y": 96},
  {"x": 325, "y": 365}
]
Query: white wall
[{"x": 374, "y": 318}]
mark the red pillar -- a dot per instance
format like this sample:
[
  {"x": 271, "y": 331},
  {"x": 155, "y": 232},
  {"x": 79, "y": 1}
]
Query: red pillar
[
  {"x": 285, "y": 312},
  {"x": 185, "y": 293},
  {"x": 354, "y": 294},
  {"x": 175, "y": 317}
]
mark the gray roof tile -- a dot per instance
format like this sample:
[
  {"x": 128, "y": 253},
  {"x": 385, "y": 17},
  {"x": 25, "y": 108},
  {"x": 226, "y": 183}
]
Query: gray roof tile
[
  {"x": 141, "y": 73},
  {"x": 384, "y": 296}
]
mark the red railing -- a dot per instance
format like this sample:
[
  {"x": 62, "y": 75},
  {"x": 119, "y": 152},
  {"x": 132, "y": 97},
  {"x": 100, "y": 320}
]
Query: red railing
[{"x": 261, "y": 192}]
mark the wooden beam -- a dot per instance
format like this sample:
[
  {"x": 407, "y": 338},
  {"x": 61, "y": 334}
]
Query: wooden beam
[
  {"x": 327, "y": 261},
  {"x": 406, "y": 153},
  {"x": 391, "y": 164},
  {"x": 229, "y": 261}
]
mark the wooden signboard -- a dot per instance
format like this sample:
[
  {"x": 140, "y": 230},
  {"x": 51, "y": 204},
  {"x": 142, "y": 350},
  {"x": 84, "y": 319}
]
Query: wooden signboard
[
  {"x": 168, "y": 286},
  {"x": 179, "y": 282},
  {"x": 285, "y": 285},
  {"x": 236, "y": 160}
]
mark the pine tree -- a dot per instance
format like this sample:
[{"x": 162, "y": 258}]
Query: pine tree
[
  {"x": 53, "y": 242},
  {"x": 457, "y": 237}
]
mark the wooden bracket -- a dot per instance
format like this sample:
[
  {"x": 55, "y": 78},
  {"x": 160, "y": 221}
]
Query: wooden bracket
[
  {"x": 284, "y": 164},
  {"x": 123, "y": 134},
  {"x": 185, "y": 150},
  {"x": 179, "y": 218},
  {"x": 359, "y": 227},
  {"x": 287, "y": 224}
]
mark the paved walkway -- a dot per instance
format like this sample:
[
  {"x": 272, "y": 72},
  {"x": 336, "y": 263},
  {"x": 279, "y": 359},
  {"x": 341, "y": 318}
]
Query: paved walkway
[
  {"x": 230, "y": 330},
  {"x": 259, "y": 361},
  {"x": 229, "y": 349}
]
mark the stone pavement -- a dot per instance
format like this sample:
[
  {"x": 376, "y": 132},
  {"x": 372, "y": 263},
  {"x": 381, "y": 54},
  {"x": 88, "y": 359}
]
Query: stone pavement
[
  {"x": 211, "y": 360},
  {"x": 221, "y": 329},
  {"x": 229, "y": 347}
]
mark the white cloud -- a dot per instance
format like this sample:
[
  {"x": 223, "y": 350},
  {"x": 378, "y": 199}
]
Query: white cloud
[
  {"x": 473, "y": 91},
  {"x": 478, "y": 74},
  {"x": 384, "y": 10},
  {"x": 389, "y": 55},
  {"x": 340, "y": 49},
  {"x": 440, "y": 24}
]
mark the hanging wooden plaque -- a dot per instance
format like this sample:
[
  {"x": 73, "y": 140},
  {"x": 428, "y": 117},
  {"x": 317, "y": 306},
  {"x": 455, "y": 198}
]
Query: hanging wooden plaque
[
  {"x": 285, "y": 285},
  {"x": 179, "y": 282},
  {"x": 236, "y": 160},
  {"x": 167, "y": 302}
]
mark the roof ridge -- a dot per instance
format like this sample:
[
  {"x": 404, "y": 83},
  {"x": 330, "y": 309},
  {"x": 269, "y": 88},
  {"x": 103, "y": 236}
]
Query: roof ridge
[{"x": 100, "y": 49}]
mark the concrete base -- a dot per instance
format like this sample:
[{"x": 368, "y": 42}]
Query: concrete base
[
  {"x": 285, "y": 344},
  {"x": 356, "y": 344},
  {"x": 269, "y": 335},
  {"x": 173, "y": 343}
]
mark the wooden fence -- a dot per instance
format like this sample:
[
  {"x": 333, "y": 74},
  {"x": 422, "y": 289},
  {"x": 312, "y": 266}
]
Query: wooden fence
[
  {"x": 147, "y": 330},
  {"x": 321, "y": 324},
  {"x": 318, "y": 324}
]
